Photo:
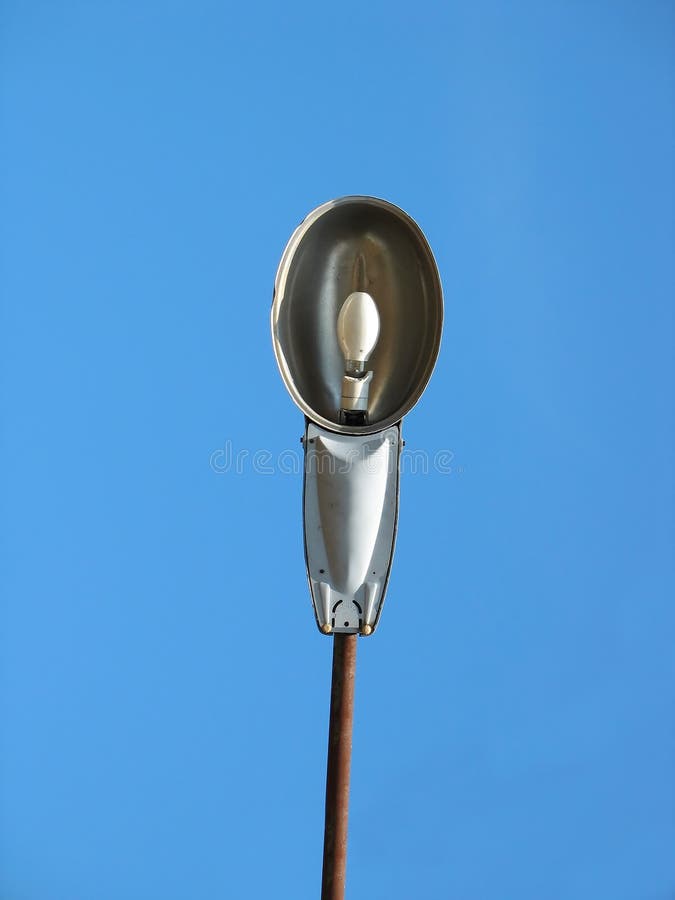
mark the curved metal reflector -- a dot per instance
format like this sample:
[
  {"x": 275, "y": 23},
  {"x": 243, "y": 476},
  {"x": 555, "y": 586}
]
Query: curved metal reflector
[{"x": 346, "y": 245}]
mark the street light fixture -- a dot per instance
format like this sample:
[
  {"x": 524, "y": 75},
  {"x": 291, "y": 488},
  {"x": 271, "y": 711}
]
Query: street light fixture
[{"x": 356, "y": 328}]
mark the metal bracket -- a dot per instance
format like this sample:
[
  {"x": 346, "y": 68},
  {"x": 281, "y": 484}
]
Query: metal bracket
[{"x": 351, "y": 488}]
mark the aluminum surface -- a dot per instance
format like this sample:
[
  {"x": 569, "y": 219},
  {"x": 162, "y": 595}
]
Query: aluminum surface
[
  {"x": 346, "y": 245},
  {"x": 350, "y": 512}
]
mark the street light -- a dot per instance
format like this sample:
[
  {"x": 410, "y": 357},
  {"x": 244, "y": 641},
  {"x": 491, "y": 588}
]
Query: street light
[{"x": 356, "y": 327}]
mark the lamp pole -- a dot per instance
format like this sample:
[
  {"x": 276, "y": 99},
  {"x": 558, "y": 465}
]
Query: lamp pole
[
  {"x": 357, "y": 314},
  {"x": 338, "y": 768}
]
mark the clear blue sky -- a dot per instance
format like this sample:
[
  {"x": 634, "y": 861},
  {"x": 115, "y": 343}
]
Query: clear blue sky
[{"x": 164, "y": 690}]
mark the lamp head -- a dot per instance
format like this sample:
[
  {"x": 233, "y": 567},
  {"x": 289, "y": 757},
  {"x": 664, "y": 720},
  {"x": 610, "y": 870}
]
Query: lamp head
[{"x": 357, "y": 284}]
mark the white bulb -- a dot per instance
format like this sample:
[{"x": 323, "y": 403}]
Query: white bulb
[{"x": 358, "y": 328}]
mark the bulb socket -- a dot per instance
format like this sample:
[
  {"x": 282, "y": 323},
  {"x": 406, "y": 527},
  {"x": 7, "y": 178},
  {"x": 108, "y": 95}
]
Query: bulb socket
[{"x": 355, "y": 391}]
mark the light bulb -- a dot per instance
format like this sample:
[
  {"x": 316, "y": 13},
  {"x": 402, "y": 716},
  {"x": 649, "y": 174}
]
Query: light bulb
[{"x": 358, "y": 328}]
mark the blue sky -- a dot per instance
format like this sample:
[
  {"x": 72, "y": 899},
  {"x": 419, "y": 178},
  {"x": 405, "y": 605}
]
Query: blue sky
[{"x": 164, "y": 690}]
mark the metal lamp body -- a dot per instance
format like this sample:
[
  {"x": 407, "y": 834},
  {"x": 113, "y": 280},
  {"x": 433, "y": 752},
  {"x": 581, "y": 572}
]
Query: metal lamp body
[
  {"x": 347, "y": 245},
  {"x": 351, "y": 479},
  {"x": 350, "y": 510}
]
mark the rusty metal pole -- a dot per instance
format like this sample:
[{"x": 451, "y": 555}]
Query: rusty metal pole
[{"x": 339, "y": 761}]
